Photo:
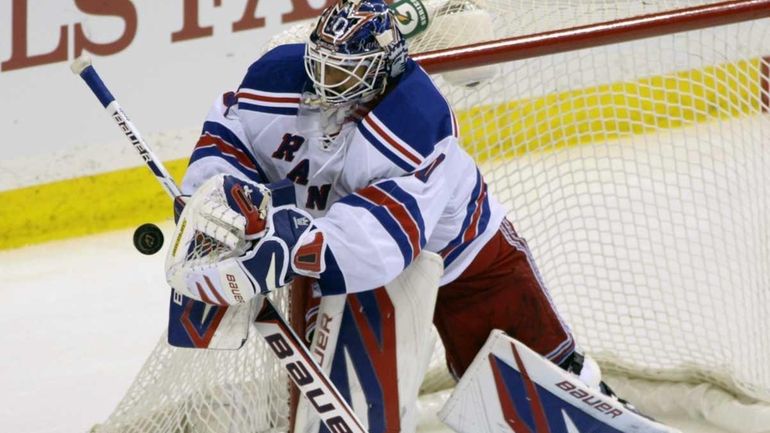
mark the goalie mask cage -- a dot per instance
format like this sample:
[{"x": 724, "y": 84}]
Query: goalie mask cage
[{"x": 629, "y": 141}]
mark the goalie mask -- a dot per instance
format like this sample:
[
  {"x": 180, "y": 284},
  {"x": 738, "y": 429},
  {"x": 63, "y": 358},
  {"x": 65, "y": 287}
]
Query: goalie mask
[{"x": 353, "y": 51}]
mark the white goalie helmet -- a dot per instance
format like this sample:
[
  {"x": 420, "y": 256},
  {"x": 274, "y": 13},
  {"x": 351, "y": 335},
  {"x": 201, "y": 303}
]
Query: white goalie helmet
[{"x": 354, "y": 49}]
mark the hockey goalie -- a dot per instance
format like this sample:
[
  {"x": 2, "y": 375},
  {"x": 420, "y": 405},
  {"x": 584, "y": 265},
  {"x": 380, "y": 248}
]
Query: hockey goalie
[{"x": 336, "y": 165}]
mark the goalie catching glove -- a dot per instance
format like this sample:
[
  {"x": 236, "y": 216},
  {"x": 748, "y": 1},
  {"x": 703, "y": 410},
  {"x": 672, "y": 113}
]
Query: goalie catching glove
[{"x": 236, "y": 239}]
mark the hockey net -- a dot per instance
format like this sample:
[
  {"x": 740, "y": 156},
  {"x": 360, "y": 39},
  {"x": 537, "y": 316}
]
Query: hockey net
[{"x": 637, "y": 170}]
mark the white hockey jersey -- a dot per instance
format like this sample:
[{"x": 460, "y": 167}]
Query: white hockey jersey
[{"x": 389, "y": 185}]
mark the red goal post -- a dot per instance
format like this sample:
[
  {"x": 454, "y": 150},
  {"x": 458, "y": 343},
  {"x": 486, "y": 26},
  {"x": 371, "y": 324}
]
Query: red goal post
[
  {"x": 628, "y": 141},
  {"x": 592, "y": 35}
]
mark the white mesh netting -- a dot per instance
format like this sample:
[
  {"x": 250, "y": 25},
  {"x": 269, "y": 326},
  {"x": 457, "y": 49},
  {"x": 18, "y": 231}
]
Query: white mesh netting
[{"x": 637, "y": 172}]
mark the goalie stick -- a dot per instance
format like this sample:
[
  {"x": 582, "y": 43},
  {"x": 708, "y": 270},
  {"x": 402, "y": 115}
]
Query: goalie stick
[
  {"x": 304, "y": 371},
  {"x": 192, "y": 324}
]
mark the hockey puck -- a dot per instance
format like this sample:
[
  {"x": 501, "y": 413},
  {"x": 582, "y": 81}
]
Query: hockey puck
[{"x": 148, "y": 239}]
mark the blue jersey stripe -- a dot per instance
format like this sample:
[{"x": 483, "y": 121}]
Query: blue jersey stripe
[
  {"x": 388, "y": 223},
  {"x": 283, "y": 111},
  {"x": 216, "y": 128},
  {"x": 454, "y": 254},
  {"x": 458, "y": 245},
  {"x": 468, "y": 212},
  {"x": 483, "y": 223},
  {"x": 409, "y": 202},
  {"x": 204, "y": 152},
  {"x": 387, "y": 153}
]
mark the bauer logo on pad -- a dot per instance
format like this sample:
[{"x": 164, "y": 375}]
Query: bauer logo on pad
[{"x": 528, "y": 407}]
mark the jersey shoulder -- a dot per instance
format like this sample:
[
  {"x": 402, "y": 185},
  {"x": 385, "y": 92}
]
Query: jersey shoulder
[
  {"x": 410, "y": 120},
  {"x": 274, "y": 83}
]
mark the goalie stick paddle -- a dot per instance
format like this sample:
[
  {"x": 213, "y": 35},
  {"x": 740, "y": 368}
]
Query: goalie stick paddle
[{"x": 331, "y": 407}]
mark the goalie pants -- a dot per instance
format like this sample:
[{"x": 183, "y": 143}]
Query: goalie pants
[{"x": 500, "y": 289}]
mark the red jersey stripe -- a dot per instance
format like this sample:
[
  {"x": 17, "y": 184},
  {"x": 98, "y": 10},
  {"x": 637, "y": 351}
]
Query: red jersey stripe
[
  {"x": 273, "y": 99},
  {"x": 470, "y": 233},
  {"x": 399, "y": 212},
  {"x": 226, "y": 148},
  {"x": 368, "y": 120}
]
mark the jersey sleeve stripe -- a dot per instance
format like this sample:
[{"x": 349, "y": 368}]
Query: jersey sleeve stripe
[
  {"x": 227, "y": 142},
  {"x": 386, "y": 220},
  {"x": 384, "y": 150},
  {"x": 212, "y": 152},
  {"x": 409, "y": 202},
  {"x": 208, "y": 140},
  {"x": 220, "y": 130},
  {"x": 390, "y": 139},
  {"x": 406, "y": 222},
  {"x": 473, "y": 228},
  {"x": 482, "y": 223},
  {"x": 217, "y": 140}
]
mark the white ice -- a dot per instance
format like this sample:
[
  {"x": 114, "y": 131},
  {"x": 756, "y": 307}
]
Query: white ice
[{"x": 79, "y": 318}]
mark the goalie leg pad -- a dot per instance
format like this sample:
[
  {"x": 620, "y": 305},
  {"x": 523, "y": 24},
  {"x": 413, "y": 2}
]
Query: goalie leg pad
[
  {"x": 376, "y": 346},
  {"x": 510, "y": 388}
]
